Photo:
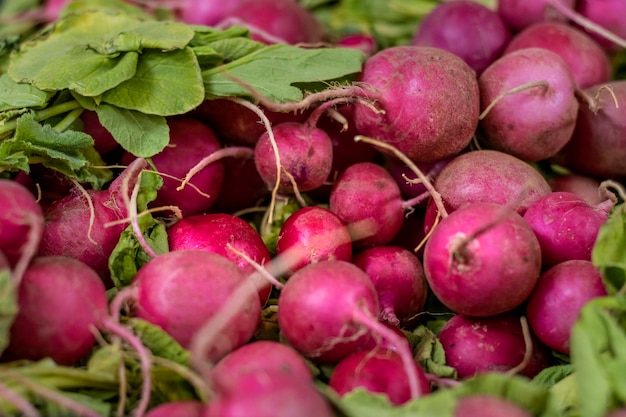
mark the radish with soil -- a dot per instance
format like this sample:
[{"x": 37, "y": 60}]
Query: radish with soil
[
  {"x": 561, "y": 292},
  {"x": 528, "y": 104},
  {"x": 483, "y": 259}
]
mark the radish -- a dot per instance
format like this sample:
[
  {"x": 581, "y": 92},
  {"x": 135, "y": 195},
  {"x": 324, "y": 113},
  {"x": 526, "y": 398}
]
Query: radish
[
  {"x": 428, "y": 100},
  {"x": 566, "y": 226},
  {"x": 528, "y": 102},
  {"x": 61, "y": 303},
  {"x": 410, "y": 186},
  {"x": 313, "y": 234},
  {"x": 206, "y": 12},
  {"x": 104, "y": 141},
  {"x": 181, "y": 290},
  {"x": 468, "y": 29},
  {"x": 519, "y": 14},
  {"x": 220, "y": 233},
  {"x": 179, "y": 408},
  {"x": 555, "y": 303},
  {"x": 597, "y": 144},
  {"x": 490, "y": 176},
  {"x": 361, "y": 41},
  {"x": 276, "y": 21},
  {"x": 256, "y": 357},
  {"x": 78, "y": 225},
  {"x": 398, "y": 277},
  {"x": 21, "y": 223},
  {"x": 242, "y": 186},
  {"x": 588, "y": 62},
  {"x": 379, "y": 371},
  {"x": 483, "y": 259},
  {"x": 609, "y": 14},
  {"x": 329, "y": 309},
  {"x": 486, "y": 405},
  {"x": 305, "y": 152},
  {"x": 583, "y": 186},
  {"x": 367, "y": 199},
  {"x": 475, "y": 345},
  {"x": 270, "y": 395}
]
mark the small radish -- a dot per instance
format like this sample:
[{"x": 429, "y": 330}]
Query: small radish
[
  {"x": 609, "y": 14},
  {"x": 528, "y": 103},
  {"x": 378, "y": 371},
  {"x": 313, "y": 234},
  {"x": 481, "y": 260},
  {"x": 398, "y": 276},
  {"x": 466, "y": 28},
  {"x": 555, "y": 303},
  {"x": 519, "y": 14}
]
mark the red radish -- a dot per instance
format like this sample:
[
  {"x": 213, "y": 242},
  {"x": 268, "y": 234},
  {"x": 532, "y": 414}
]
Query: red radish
[
  {"x": 379, "y": 371},
  {"x": 313, "y": 234},
  {"x": 220, "y": 233},
  {"x": 181, "y": 290},
  {"x": 475, "y": 345},
  {"x": 588, "y": 62},
  {"x": 399, "y": 279},
  {"x": 260, "y": 356},
  {"x": 179, "y": 408},
  {"x": 519, "y": 14},
  {"x": 585, "y": 187},
  {"x": 73, "y": 230},
  {"x": 366, "y": 192},
  {"x": 483, "y": 259},
  {"x": 468, "y": 29},
  {"x": 305, "y": 153},
  {"x": 609, "y": 14},
  {"x": 190, "y": 142},
  {"x": 276, "y": 21},
  {"x": 566, "y": 226},
  {"x": 555, "y": 303},
  {"x": 206, "y": 12},
  {"x": 597, "y": 146},
  {"x": 329, "y": 309},
  {"x": 534, "y": 123},
  {"x": 430, "y": 100},
  {"x": 242, "y": 186},
  {"x": 486, "y": 405},
  {"x": 361, "y": 41},
  {"x": 104, "y": 141},
  {"x": 490, "y": 176},
  {"x": 21, "y": 222},
  {"x": 61, "y": 303},
  {"x": 271, "y": 395}
]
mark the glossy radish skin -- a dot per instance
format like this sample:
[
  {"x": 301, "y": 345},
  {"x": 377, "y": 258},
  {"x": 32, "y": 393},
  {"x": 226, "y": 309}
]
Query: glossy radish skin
[
  {"x": 468, "y": 29},
  {"x": 378, "y": 371},
  {"x": 181, "y": 290},
  {"x": 61, "y": 301},
  {"x": 313, "y": 234},
  {"x": 566, "y": 226},
  {"x": 482, "y": 260},
  {"x": 430, "y": 100},
  {"x": 556, "y": 301}
]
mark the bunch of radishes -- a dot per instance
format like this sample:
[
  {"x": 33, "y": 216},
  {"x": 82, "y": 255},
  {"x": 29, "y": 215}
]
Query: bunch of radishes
[{"x": 448, "y": 199}]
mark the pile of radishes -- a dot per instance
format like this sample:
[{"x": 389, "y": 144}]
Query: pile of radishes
[{"x": 462, "y": 180}]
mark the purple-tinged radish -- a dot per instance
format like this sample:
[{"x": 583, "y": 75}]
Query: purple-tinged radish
[
  {"x": 104, "y": 141},
  {"x": 561, "y": 292},
  {"x": 588, "y": 62},
  {"x": 377, "y": 371},
  {"x": 468, "y": 29},
  {"x": 313, "y": 234},
  {"x": 61, "y": 302},
  {"x": 78, "y": 225},
  {"x": 367, "y": 199},
  {"x": 583, "y": 186},
  {"x": 486, "y": 405},
  {"x": 181, "y": 290},
  {"x": 528, "y": 103},
  {"x": 476, "y": 345},
  {"x": 481, "y": 260},
  {"x": 305, "y": 153},
  {"x": 21, "y": 222},
  {"x": 360, "y": 41},
  {"x": 257, "y": 357},
  {"x": 178, "y": 408},
  {"x": 329, "y": 309},
  {"x": 566, "y": 226},
  {"x": 609, "y": 14},
  {"x": 205, "y": 12},
  {"x": 399, "y": 279},
  {"x": 429, "y": 100},
  {"x": 598, "y": 145},
  {"x": 519, "y": 14}
]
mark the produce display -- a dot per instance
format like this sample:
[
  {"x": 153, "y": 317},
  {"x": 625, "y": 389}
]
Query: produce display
[{"x": 325, "y": 208}]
